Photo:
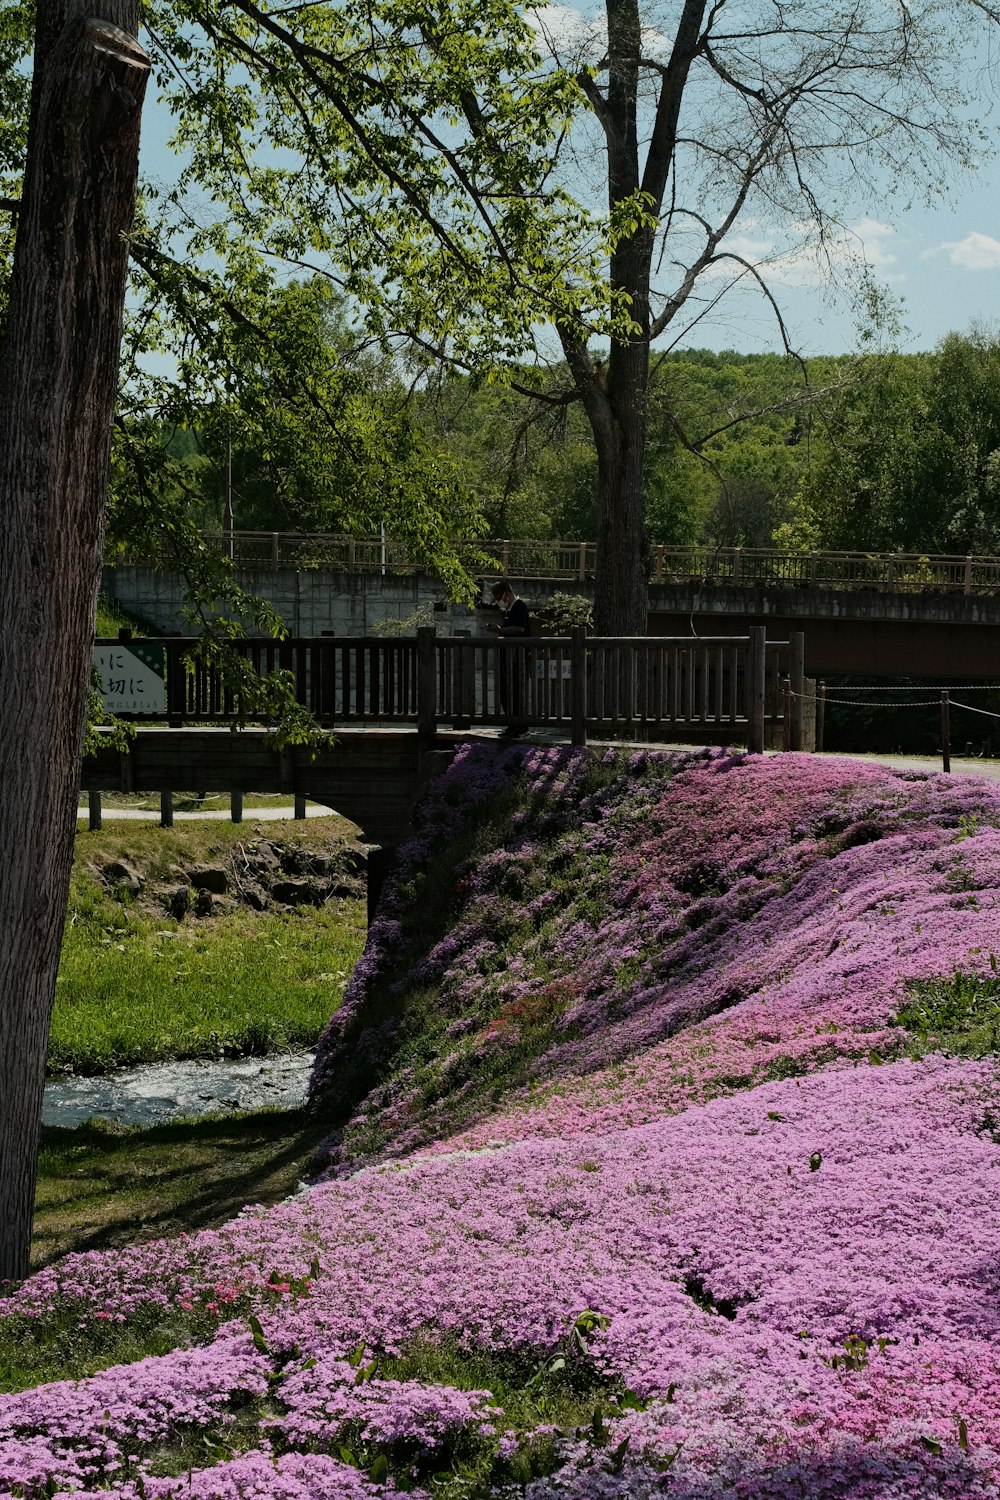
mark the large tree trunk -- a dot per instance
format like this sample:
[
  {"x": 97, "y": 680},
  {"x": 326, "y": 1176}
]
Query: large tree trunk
[
  {"x": 620, "y": 595},
  {"x": 58, "y": 379},
  {"x": 616, "y": 402}
]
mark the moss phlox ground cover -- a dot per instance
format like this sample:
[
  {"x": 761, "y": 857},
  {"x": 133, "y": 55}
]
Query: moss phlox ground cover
[
  {"x": 742, "y": 1284},
  {"x": 642, "y": 939}
]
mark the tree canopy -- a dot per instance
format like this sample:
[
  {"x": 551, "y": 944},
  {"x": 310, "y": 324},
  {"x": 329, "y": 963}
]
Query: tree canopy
[
  {"x": 497, "y": 184},
  {"x": 390, "y": 225}
]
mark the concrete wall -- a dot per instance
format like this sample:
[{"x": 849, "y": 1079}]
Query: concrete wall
[
  {"x": 315, "y": 600},
  {"x": 309, "y": 602},
  {"x": 924, "y": 607}
]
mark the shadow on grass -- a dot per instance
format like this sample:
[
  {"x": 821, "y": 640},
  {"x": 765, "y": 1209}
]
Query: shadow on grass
[{"x": 104, "y": 1186}]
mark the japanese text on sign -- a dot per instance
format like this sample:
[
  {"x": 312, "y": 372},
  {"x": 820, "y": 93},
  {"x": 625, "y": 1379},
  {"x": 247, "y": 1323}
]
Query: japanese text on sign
[{"x": 132, "y": 679}]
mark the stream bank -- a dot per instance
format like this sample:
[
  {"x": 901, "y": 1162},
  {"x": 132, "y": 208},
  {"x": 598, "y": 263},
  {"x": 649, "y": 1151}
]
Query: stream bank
[{"x": 156, "y": 1093}]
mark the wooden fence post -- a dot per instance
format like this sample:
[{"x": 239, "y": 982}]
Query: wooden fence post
[
  {"x": 236, "y": 806},
  {"x": 94, "y": 811},
  {"x": 166, "y": 809},
  {"x": 756, "y": 677},
  {"x": 786, "y": 714},
  {"x": 578, "y": 684},
  {"x": 945, "y": 733},
  {"x": 426, "y": 684},
  {"x": 820, "y": 715},
  {"x": 797, "y": 683},
  {"x": 176, "y": 685}
]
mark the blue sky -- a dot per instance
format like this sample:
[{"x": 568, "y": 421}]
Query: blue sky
[{"x": 941, "y": 263}]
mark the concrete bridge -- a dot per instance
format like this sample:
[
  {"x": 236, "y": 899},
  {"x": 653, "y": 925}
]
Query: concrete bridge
[{"x": 940, "y": 636}]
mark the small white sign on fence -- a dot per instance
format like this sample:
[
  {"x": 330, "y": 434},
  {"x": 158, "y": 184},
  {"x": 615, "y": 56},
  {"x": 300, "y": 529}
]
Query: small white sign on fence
[
  {"x": 133, "y": 678},
  {"x": 554, "y": 670}
]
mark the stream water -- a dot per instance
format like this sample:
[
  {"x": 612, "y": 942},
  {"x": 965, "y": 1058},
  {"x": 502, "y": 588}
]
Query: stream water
[{"x": 156, "y": 1093}]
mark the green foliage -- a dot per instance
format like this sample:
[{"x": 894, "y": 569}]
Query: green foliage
[
  {"x": 960, "y": 1014},
  {"x": 102, "y": 729},
  {"x": 912, "y": 461},
  {"x": 562, "y": 612},
  {"x": 17, "y": 22},
  {"x": 271, "y": 385},
  {"x": 730, "y": 439},
  {"x": 111, "y": 618},
  {"x": 135, "y": 985},
  {"x": 421, "y": 618}
]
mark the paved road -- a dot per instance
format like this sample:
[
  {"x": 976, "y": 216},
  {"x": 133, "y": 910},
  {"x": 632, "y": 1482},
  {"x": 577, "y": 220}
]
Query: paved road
[
  {"x": 960, "y": 765},
  {"x": 222, "y": 815}
]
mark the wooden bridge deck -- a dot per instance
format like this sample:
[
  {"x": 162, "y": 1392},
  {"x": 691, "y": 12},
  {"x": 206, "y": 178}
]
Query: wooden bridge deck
[
  {"x": 390, "y": 702},
  {"x": 370, "y": 775}
]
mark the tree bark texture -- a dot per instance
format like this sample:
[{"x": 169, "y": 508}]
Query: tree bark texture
[
  {"x": 58, "y": 380},
  {"x": 620, "y": 593},
  {"x": 616, "y": 399}
]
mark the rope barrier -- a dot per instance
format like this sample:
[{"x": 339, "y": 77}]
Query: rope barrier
[
  {"x": 944, "y": 702},
  {"x": 970, "y": 708},
  {"x": 930, "y": 687},
  {"x": 871, "y": 703}
]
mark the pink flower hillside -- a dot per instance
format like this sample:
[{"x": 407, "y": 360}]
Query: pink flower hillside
[
  {"x": 686, "y": 1218},
  {"x": 647, "y": 933},
  {"x": 797, "y": 1286}
]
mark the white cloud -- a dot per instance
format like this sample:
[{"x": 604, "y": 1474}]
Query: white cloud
[
  {"x": 788, "y": 258},
  {"x": 871, "y": 238},
  {"x": 977, "y": 252},
  {"x": 569, "y": 35}
]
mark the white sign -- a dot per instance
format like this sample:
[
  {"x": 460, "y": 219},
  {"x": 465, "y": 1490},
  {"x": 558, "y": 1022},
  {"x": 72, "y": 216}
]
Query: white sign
[
  {"x": 556, "y": 670},
  {"x": 132, "y": 678}
]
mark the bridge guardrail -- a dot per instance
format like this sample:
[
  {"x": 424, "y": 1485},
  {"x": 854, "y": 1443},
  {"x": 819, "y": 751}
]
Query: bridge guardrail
[
  {"x": 575, "y": 684},
  {"x": 564, "y": 561}
]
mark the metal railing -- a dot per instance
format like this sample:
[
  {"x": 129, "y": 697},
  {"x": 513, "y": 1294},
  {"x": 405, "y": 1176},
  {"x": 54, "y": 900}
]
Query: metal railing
[
  {"x": 555, "y": 561},
  {"x": 749, "y": 567},
  {"x": 577, "y": 685}
]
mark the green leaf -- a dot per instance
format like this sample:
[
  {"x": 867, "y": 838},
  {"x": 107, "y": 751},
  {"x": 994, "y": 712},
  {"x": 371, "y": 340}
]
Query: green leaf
[
  {"x": 617, "y": 1458},
  {"x": 379, "y": 1470},
  {"x": 259, "y": 1341}
]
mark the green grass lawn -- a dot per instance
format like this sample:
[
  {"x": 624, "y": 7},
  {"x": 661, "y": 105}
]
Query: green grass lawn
[
  {"x": 136, "y": 985},
  {"x": 105, "y": 1185}
]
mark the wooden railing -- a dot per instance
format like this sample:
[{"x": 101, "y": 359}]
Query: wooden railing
[
  {"x": 577, "y": 685},
  {"x": 554, "y": 561}
]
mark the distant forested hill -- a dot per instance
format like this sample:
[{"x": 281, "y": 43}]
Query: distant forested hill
[
  {"x": 898, "y": 451},
  {"x": 872, "y": 452}
]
